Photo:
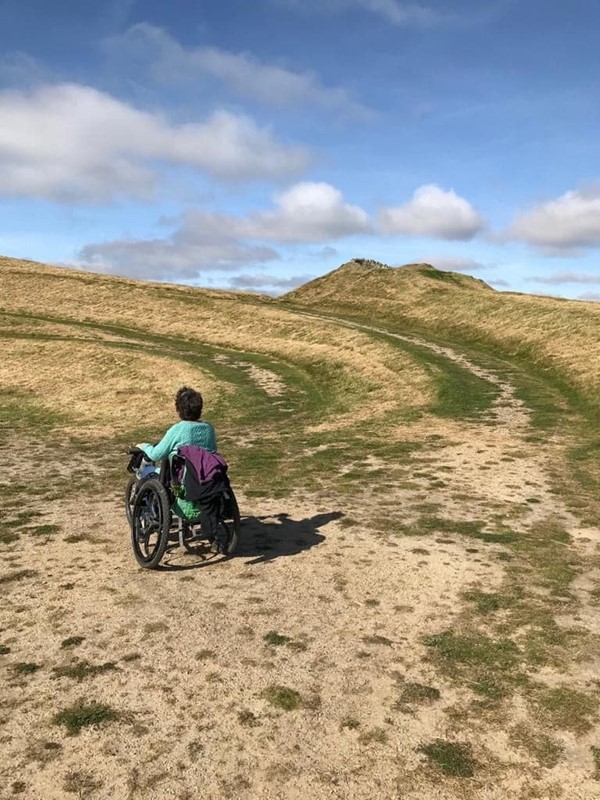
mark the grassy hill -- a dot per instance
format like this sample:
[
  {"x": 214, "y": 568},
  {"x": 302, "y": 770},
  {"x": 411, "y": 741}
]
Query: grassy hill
[
  {"x": 550, "y": 346},
  {"x": 93, "y": 358},
  {"x": 413, "y": 608},
  {"x": 550, "y": 333}
]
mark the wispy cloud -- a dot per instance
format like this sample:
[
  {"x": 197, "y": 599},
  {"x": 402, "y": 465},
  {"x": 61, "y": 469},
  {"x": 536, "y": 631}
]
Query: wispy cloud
[
  {"x": 203, "y": 241},
  {"x": 263, "y": 282},
  {"x": 274, "y": 85},
  {"x": 569, "y": 222},
  {"x": 558, "y": 278},
  {"x": 434, "y": 212},
  {"x": 185, "y": 255},
  {"x": 457, "y": 264},
  {"x": 306, "y": 213},
  {"x": 20, "y": 70},
  {"x": 400, "y": 13},
  {"x": 395, "y": 11},
  {"x": 73, "y": 143}
]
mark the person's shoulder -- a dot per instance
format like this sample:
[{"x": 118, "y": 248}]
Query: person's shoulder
[
  {"x": 176, "y": 426},
  {"x": 205, "y": 424}
]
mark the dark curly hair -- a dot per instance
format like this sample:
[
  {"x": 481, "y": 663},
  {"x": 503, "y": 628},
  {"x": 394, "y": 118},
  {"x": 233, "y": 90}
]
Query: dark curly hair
[{"x": 188, "y": 403}]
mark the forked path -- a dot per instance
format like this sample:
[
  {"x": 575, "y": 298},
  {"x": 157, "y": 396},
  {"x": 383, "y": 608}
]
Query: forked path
[
  {"x": 489, "y": 458},
  {"x": 298, "y": 669}
]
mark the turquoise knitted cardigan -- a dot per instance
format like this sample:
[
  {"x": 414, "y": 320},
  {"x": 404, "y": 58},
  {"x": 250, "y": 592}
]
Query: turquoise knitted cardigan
[{"x": 201, "y": 434}]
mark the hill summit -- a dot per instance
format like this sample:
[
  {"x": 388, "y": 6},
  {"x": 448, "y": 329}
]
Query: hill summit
[{"x": 364, "y": 280}]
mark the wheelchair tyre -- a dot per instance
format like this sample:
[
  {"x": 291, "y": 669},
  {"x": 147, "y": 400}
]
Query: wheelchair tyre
[
  {"x": 228, "y": 534},
  {"x": 130, "y": 497},
  {"x": 150, "y": 523},
  {"x": 231, "y": 524}
]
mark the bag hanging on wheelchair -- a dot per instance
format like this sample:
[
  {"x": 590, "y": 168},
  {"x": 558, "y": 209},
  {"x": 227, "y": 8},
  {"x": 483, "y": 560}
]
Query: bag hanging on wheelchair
[{"x": 200, "y": 476}]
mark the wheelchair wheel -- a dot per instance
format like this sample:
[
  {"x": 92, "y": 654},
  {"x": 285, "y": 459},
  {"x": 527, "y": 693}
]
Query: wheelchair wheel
[
  {"x": 130, "y": 497},
  {"x": 230, "y": 523},
  {"x": 150, "y": 523}
]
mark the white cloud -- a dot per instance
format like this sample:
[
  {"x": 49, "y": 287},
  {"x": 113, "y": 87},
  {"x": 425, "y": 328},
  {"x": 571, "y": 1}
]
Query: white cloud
[
  {"x": 400, "y": 13},
  {"x": 270, "y": 84},
  {"x": 73, "y": 143},
  {"x": 204, "y": 241},
  {"x": 433, "y": 212},
  {"x": 568, "y": 222},
  {"x": 558, "y": 278},
  {"x": 457, "y": 264},
  {"x": 185, "y": 255},
  {"x": 263, "y": 282},
  {"x": 308, "y": 212},
  {"x": 594, "y": 296}
]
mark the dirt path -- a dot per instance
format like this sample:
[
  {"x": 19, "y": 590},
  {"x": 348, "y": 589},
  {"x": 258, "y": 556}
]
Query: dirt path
[{"x": 285, "y": 672}]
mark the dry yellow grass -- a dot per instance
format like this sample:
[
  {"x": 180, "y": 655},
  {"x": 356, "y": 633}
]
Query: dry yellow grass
[
  {"x": 229, "y": 320},
  {"x": 556, "y": 333},
  {"x": 102, "y": 391}
]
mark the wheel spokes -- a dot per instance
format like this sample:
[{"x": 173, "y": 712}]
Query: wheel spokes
[{"x": 150, "y": 522}]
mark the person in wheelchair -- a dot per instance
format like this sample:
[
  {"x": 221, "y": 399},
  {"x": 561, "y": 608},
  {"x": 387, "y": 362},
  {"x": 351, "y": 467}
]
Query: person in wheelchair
[
  {"x": 186, "y": 452},
  {"x": 190, "y": 430}
]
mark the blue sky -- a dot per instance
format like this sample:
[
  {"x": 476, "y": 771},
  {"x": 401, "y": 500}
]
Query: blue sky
[{"x": 257, "y": 145}]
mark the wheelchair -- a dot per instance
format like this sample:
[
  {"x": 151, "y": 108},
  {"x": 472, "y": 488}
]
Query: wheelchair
[{"x": 156, "y": 518}]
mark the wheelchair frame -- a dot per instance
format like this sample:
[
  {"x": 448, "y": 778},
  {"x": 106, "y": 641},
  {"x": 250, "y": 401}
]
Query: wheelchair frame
[{"x": 148, "y": 504}]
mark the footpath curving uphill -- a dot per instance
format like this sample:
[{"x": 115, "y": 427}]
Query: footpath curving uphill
[{"x": 413, "y": 609}]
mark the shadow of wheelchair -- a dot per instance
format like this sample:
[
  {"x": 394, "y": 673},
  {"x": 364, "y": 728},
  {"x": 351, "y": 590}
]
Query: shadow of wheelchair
[
  {"x": 261, "y": 539},
  {"x": 267, "y": 538}
]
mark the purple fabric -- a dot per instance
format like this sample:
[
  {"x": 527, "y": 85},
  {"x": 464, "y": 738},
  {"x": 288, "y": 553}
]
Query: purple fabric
[{"x": 206, "y": 464}]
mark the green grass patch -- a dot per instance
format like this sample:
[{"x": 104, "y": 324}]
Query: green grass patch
[
  {"x": 83, "y": 669},
  {"x": 596, "y": 758},
  {"x": 25, "y": 668},
  {"x": 459, "y": 393},
  {"x": 433, "y": 524},
  {"x": 506, "y": 537},
  {"x": 567, "y": 709},
  {"x": 474, "y": 649},
  {"x": 486, "y": 602},
  {"x": 490, "y": 687},
  {"x": 283, "y": 697},
  {"x": 129, "y": 657},
  {"x": 42, "y": 530},
  {"x": 72, "y": 641},
  {"x": 377, "y": 639},
  {"x": 84, "y": 715},
  {"x": 248, "y": 718},
  {"x": 418, "y": 693},
  {"x": 21, "y": 413},
  {"x": 543, "y": 748},
  {"x": 374, "y": 736},
  {"x": 452, "y": 758},
  {"x": 414, "y": 694},
  {"x": 20, "y": 575},
  {"x": 276, "y": 639}
]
